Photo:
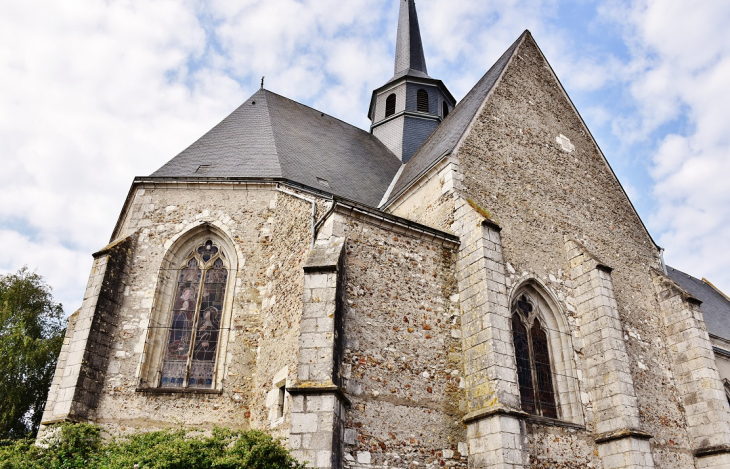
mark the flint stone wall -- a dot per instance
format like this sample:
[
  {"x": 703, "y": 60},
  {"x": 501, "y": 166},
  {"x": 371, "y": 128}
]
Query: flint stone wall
[
  {"x": 272, "y": 235},
  {"x": 402, "y": 367}
]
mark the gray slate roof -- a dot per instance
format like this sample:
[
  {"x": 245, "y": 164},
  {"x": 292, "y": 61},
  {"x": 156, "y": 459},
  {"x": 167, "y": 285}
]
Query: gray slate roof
[
  {"x": 409, "y": 56},
  {"x": 447, "y": 135},
  {"x": 715, "y": 307},
  {"x": 280, "y": 138}
]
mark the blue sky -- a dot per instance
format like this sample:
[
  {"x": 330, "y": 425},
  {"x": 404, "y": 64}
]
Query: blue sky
[{"x": 96, "y": 92}]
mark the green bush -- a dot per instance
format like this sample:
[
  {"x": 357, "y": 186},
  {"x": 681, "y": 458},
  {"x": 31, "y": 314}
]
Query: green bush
[{"x": 73, "y": 446}]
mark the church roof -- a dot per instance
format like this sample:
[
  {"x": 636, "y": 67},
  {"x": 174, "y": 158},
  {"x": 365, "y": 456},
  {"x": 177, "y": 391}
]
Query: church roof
[
  {"x": 270, "y": 136},
  {"x": 715, "y": 306},
  {"x": 447, "y": 135},
  {"x": 409, "y": 57}
]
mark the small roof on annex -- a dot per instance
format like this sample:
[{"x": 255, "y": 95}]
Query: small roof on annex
[{"x": 715, "y": 305}]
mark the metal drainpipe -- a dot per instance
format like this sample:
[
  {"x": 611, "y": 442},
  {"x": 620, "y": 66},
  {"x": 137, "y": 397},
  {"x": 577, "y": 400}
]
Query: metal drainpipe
[
  {"x": 314, "y": 208},
  {"x": 321, "y": 221},
  {"x": 664, "y": 266}
]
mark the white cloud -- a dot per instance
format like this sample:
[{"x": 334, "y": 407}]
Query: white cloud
[
  {"x": 680, "y": 68},
  {"x": 94, "y": 93},
  {"x": 85, "y": 104}
]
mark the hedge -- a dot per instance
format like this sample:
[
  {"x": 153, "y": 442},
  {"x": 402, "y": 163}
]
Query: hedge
[{"x": 81, "y": 446}]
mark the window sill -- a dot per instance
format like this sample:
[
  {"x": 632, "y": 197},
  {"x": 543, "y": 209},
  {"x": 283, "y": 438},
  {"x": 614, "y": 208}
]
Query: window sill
[
  {"x": 546, "y": 421},
  {"x": 178, "y": 391}
]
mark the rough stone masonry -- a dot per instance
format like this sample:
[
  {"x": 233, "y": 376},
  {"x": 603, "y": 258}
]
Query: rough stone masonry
[{"x": 494, "y": 302}]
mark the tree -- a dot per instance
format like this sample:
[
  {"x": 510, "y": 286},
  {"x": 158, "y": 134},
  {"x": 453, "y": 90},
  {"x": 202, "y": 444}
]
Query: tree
[{"x": 31, "y": 334}]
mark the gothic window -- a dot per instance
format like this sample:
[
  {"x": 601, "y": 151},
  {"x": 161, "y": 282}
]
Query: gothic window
[
  {"x": 532, "y": 352},
  {"x": 390, "y": 105},
  {"x": 422, "y": 101},
  {"x": 446, "y": 109},
  {"x": 194, "y": 330}
]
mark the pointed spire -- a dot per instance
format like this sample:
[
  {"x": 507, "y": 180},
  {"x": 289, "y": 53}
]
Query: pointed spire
[{"x": 409, "y": 48}]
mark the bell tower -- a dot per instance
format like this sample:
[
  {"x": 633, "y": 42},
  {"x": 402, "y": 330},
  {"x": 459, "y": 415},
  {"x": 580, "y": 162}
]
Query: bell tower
[{"x": 408, "y": 108}]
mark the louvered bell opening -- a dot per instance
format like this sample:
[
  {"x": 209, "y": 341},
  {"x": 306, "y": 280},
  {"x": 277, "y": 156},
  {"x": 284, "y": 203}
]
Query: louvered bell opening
[
  {"x": 446, "y": 109},
  {"x": 422, "y": 101},
  {"x": 390, "y": 105}
]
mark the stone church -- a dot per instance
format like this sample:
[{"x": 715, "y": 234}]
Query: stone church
[{"x": 465, "y": 285}]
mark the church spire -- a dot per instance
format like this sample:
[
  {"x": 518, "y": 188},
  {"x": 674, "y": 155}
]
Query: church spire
[{"x": 409, "y": 48}]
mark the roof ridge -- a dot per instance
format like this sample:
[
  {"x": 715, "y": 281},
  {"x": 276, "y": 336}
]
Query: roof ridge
[
  {"x": 318, "y": 110},
  {"x": 715, "y": 288},
  {"x": 270, "y": 128}
]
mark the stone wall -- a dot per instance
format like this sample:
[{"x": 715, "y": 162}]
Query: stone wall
[
  {"x": 402, "y": 365},
  {"x": 531, "y": 164},
  {"x": 271, "y": 232}
]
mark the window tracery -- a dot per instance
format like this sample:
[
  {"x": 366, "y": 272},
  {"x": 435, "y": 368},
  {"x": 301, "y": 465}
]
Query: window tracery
[
  {"x": 192, "y": 340},
  {"x": 532, "y": 352}
]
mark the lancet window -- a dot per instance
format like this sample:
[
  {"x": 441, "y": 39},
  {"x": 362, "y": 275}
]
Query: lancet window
[
  {"x": 194, "y": 331},
  {"x": 532, "y": 351}
]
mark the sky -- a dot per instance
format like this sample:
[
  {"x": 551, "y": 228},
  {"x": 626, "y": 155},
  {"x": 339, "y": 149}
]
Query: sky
[{"x": 97, "y": 92}]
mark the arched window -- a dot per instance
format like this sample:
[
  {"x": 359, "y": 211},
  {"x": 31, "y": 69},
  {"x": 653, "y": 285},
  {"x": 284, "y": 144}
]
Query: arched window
[
  {"x": 446, "y": 109},
  {"x": 194, "y": 329},
  {"x": 532, "y": 352},
  {"x": 422, "y": 101},
  {"x": 390, "y": 105}
]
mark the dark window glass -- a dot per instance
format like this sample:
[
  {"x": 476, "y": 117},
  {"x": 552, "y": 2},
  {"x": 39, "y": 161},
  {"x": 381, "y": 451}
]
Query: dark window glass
[
  {"x": 390, "y": 105},
  {"x": 446, "y": 109},
  {"x": 532, "y": 353},
  {"x": 422, "y": 101},
  {"x": 194, "y": 331},
  {"x": 543, "y": 374},
  {"x": 524, "y": 370}
]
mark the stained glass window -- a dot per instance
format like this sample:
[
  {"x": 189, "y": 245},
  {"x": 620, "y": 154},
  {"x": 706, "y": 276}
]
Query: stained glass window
[
  {"x": 532, "y": 354},
  {"x": 194, "y": 331}
]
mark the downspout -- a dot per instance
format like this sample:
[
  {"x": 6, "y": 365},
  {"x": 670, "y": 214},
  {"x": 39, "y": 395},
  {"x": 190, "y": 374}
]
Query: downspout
[
  {"x": 661, "y": 256},
  {"x": 314, "y": 209},
  {"x": 321, "y": 221}
]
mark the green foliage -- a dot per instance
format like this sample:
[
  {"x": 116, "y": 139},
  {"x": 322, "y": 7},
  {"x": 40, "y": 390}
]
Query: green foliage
[
  {"x": 77, "y": 446},
  {"x": 31, "y": 335}
]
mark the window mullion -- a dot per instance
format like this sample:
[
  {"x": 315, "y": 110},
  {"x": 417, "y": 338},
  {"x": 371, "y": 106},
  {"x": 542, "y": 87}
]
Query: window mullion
[
  {"x": 194, "y": 332},
  {"x": 533, "y": 370}
]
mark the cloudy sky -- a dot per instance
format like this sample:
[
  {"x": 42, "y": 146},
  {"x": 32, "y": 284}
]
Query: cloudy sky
[{"x": 95, "y": 92}]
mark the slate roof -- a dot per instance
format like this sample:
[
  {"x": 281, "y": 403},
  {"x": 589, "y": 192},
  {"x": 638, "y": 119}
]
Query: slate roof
[
  {"x": 409, "y": 56},
  {"x": 715, "y": 307},
  {"x": 280, "y": 138},
  {"x": 447, "y": 135}
]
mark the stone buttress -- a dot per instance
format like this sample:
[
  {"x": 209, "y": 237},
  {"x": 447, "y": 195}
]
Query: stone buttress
[
  {"x": 495, "y": 423},
  {"x": 620, "y": 439},
  {"x": 698, "y": 381},
  {"x": 318, "y": 402},
  {"x": 79, "y": 377}
]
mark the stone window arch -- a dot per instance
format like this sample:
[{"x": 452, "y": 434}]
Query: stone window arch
[
  {"x": 422, "y": 104},
  {"x": 544, "y": 355},
  {"x": 190, "y": 317},
  {"x": 390, "y": 103}
]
